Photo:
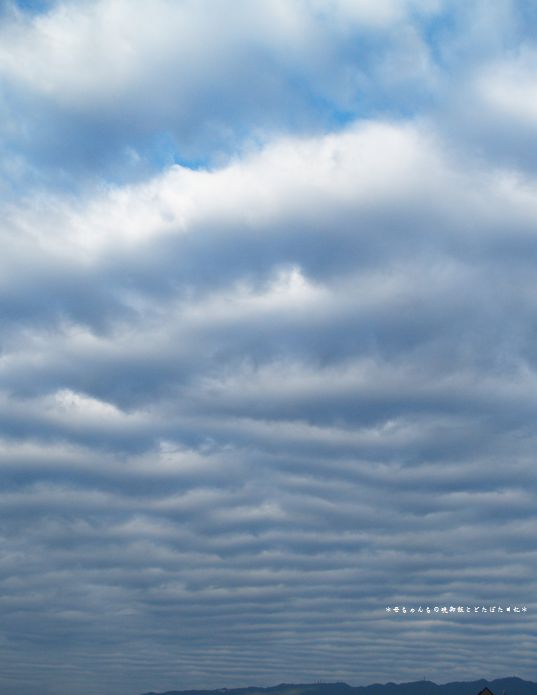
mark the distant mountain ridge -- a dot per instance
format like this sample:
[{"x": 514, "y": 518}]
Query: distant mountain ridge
[{"x": 509, "y": 686}]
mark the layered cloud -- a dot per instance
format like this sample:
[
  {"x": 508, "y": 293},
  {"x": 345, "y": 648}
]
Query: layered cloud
[{"x": 249, "y": 403}]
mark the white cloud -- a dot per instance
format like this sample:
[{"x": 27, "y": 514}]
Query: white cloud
[
  {"x": 112, "y": 79},
  {"x": 86, "y": 54},
  {"x": 361, "y": 167},
  {"x": 509, "y": 90}
]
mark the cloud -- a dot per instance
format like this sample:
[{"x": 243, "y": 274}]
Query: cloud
[
  {"x": 247, "y": 404},
  {"x": 260, "y": 391},
  {"x": 125, "y": 89},
  {"x": 122, "y": 91},
  {"x": 114, "y": 48}
]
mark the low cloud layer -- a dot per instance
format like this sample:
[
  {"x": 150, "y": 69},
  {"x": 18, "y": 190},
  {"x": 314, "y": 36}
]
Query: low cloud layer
[{"x": 250, "y": 401}]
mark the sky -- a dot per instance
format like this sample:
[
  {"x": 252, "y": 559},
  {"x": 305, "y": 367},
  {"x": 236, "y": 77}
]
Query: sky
[{"x": 268, "y": 344}]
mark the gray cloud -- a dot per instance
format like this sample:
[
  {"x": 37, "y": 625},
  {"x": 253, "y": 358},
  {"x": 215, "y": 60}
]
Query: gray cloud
[
  {"x": 247, "y": 456},
  {"x": 247, "y": 406}
]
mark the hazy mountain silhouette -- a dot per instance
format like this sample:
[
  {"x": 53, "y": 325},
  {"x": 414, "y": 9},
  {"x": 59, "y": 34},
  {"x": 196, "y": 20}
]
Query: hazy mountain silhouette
[{"x": 509, "y": 686}]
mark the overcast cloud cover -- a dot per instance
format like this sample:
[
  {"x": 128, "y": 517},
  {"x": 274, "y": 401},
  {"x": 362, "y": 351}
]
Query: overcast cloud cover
[{"x": 268, "y": 341}]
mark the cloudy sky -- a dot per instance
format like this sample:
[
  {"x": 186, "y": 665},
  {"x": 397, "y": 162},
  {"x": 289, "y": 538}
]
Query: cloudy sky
[{"x": 268, "y": 342}]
